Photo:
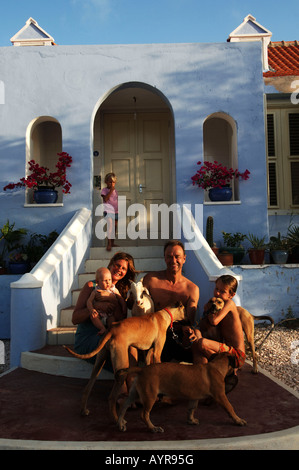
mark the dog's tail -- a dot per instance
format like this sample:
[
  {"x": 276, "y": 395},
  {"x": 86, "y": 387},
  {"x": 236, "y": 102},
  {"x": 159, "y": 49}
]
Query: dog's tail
[
  {"x": 92, "y": 353},
  {"x": 268, "y": 318}
]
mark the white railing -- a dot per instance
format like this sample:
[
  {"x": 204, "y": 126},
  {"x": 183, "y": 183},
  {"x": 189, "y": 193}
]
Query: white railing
[
  {"x": 38, "y": 296},
  {"x": 209, "y": 262}
]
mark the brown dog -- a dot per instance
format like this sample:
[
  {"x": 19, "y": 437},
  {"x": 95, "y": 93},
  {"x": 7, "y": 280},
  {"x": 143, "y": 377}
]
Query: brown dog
[
  {"x": 216, "y": 304},
  {"x": 180, "y": 381},
  {"x": 145, "y": 332}
]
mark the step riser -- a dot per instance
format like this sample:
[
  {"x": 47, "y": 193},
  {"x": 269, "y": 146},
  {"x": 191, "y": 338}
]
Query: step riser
[
  {"x": 144, "y": 264},
  {"x": 85, "y": 277},
  {"x": 146, "y": 258},
  {"x": 60, "y": 336},
  {"x": 136, "y": 252},
  {"x": 66, "y": 317}
]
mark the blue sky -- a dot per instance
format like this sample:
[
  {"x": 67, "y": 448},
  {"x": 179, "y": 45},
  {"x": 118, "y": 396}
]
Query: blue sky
[{"x": 146, "y": 21}]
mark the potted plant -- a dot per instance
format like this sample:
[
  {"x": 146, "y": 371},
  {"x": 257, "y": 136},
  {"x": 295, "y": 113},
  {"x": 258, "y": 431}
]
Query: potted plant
[
  {"x": 217, "y": 179},
  {"x": 232, "y": 244},
  {"x": 10, "y": 239},
  {"x": 43, "y": 182},
  {"x": 37, "y": 246},
  {"x": 293, "y": 241},
  {"x": 257, "y": 250},
  {"x": 18, "y": 262},
  {"x": 210, "y": 235},
  {"x": 279, "y": 249}
]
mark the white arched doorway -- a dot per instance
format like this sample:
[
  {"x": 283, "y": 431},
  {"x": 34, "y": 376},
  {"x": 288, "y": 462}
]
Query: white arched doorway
[{"x": 133, "y": 137}]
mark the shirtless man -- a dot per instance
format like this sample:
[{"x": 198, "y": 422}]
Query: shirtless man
[
  {"x": 228, "y": 320},
  {"x": 170, "y": 286}
]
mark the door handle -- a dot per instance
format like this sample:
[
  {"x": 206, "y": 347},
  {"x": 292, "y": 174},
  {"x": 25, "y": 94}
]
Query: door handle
[{"x": 140, "y": 186}]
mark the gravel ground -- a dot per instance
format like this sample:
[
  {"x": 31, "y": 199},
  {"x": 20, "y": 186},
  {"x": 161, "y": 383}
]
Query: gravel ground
[
  {"x": 5, "y": 366},
  {"x": 279, "y": 354}
]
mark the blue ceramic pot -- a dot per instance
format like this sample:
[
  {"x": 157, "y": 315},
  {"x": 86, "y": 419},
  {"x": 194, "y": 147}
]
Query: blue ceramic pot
[
  {"x": 220, "y": 194},
  {"x": 280, "y": 256},
  {"x": 18, "y": 268},
  {"x": 45, "y": 195}
]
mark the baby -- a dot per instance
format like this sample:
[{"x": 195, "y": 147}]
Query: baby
[{"x": 103, "y": 305}]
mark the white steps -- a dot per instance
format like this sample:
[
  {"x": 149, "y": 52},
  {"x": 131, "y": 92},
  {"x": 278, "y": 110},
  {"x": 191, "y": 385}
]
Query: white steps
[{"x": 146, "y": 258}]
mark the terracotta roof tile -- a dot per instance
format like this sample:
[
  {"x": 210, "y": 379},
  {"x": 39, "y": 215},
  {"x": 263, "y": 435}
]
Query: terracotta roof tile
[{"x": 283, "y": 58}]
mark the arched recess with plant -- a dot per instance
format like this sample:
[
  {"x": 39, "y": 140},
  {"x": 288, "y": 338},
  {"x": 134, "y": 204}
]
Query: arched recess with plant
[
  {"x": 43, "y": 142},
  {"x": 220, "y": 144}
]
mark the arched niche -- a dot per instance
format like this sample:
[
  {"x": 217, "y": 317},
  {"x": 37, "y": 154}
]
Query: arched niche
[
  {"x": 43, "y": 142},
  {"x": 220, "y": 143}
]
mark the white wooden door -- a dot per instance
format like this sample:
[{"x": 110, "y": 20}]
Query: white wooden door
[{"x": 136, "y": 149}]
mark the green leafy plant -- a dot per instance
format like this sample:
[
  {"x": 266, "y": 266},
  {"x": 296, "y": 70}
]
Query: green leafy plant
[
  {"x": 233, "y": 239},
  {"x": 38, "y": 244},
  {"x": 256, "y": 242},
  {"x": 10, "y": 239},
  {"x": 293, "y": 236}
]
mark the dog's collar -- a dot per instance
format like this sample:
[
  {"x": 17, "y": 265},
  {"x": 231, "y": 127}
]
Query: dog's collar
[{"x": 169, "y": 313}]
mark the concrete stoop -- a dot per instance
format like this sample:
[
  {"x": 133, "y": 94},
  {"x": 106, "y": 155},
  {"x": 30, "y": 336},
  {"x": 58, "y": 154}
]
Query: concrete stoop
[{"x": 60, "y": 366}]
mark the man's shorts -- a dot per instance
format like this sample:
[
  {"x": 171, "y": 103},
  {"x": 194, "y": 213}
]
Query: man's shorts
[{"x": 239, "y": 355}]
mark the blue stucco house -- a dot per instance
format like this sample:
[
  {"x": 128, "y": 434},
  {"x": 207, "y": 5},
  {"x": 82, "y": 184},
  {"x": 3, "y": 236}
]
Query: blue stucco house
[{"x": 149, "y": 113}]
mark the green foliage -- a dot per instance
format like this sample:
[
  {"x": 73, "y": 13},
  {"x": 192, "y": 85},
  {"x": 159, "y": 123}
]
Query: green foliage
[{"x": 233, "y": 239}]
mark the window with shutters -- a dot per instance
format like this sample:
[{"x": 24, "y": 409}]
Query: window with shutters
[{"x": 283, "y": 158}]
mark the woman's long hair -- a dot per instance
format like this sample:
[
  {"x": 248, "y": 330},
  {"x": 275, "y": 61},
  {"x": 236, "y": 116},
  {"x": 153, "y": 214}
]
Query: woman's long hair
[{"x": 123, "y": 285}]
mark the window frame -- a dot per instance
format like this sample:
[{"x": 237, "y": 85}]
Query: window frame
[{"x": 281, "y": 109}]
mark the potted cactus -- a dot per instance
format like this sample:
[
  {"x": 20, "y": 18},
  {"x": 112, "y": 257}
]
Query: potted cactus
[
  {"x": 279, "y": 249},
  {"x": 210, "y": 235}
]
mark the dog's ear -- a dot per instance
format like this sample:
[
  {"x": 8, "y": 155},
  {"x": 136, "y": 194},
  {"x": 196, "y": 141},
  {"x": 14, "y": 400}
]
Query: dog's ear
[
  {"x": 213, "y": 356},
  {"x": 232, "y": 360}
]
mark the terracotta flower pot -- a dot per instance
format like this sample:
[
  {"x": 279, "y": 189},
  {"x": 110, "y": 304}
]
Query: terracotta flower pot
[
  {"x": 238, "y": 253},
  {"x": 215, "y": 250},
  {"x": 256, "y": 256},
  {"x": 226, "y": 259}
]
